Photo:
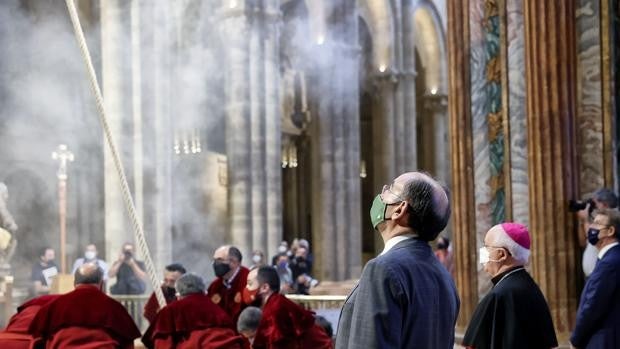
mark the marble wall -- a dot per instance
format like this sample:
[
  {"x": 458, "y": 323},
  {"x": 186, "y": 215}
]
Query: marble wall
[
  {"x": 517, "y": 111},
  {"x": 589, "y": 97}
]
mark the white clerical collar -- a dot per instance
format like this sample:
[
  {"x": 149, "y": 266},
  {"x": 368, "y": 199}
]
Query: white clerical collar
[
  {"x": 394, "y": 241},
  {"x": 228, "y": 283},
  {"x": 604, "y": 250}
]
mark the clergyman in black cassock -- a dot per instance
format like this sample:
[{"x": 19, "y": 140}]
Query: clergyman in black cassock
[{"x": 514, "y": 314}]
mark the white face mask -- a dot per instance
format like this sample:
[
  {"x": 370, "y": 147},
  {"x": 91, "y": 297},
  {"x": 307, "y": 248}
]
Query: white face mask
[
  {"x": 256, "y": 259},
  {"x": 483, "y": 254},
  {"x": 90, "y": 255}
]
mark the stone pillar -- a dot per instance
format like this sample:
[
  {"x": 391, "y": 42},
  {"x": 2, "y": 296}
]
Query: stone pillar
[
  {"x": 253, "y": 124},
  {"x": 273, "y": 129},
  {"x": 461, "y": 150},
  {"x": 336, "y": 176},
  {"x": 257, "y": 131},
  {"x": 435, "y": 106},
  {"x": 235, "y": 28},
  {"x": 116, "y": 89},
  {"x": 551, "y": 79}
]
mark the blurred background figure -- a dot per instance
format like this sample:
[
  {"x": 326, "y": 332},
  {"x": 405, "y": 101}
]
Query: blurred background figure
[
  {"x": 43, "y": 271},
  {"x": 301, "y": 269},
  {"x": 129, "y": 273},
  {"x": 285, "y": 274},
  {"x": 282, "y": 248},
  {"x": 444, "y": 254},
  {"x": 258, "y": 259},
  {"x": 90, "y": 256}
]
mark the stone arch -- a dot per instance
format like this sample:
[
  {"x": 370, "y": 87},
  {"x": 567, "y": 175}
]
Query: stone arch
[
  {"x": 378, "y": 16},
  {"x": 430, "y": 44}
]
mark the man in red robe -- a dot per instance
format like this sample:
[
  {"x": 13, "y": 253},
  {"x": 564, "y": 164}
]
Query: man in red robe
[
  {"x": 172, "y": 273},
  {"x": 226, "y": 290},
  {"x": 15, "y": 335},
  {"x": 284, "y": 324},
  {"x": 193, "y": 321},
  {"x": 85, "y": 317}
]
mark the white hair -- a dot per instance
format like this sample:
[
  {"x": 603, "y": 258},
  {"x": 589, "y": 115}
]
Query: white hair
[{"x": 518, "y": 252}]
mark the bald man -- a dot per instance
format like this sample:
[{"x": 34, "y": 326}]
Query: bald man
[
  {"x": 405, "y": 297},
  {"x": 225, "y": 291},
  {"x": 85, "y": 315}
]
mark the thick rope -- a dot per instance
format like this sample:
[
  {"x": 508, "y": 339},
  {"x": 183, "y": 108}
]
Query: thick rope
[{"x": 129, "y": 204}]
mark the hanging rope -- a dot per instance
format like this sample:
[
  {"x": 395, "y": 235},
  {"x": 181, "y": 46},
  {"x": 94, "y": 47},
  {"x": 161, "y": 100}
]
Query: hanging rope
[{"x": 131, "y": 208}]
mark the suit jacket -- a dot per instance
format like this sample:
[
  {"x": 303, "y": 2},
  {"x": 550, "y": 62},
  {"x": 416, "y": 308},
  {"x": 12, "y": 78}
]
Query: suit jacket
[
  {"x": 405, "y": 299},
  {"x": 598, "y": 317}
]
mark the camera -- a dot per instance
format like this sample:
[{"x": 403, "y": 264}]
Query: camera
[
  {"x": 128, "y": 255},
  {"x": 574, "y": 205}
]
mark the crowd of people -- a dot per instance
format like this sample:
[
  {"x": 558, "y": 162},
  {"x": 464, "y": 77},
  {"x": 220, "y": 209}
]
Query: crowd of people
[{"x": 406, "y": 296}]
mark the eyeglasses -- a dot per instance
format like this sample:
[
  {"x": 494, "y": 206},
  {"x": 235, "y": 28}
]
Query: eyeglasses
[{"x": 387, "y": 189}]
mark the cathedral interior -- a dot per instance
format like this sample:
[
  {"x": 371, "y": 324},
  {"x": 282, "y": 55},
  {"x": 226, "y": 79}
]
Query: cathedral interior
[{"x": 255, "y": 121}]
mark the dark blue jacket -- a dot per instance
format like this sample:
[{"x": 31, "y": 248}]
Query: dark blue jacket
[
  {"x": 405, "y": 299},
  {"x": 598, "y": 317}
]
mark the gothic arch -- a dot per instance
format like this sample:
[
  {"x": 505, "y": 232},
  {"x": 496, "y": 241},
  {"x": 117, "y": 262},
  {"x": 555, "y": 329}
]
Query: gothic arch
[{"x": 378, "y": 16}]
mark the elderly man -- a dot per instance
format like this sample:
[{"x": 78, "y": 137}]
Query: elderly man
[
  {"x": 226, "y": 289},
  {"x": 172, "y": 273},
  {"x": 514, "y": 314},
  {"x": 598, "y": 317},
  {"x": 248, "y": 322},
  {"x": 193, "y": 321},
  {"x": 85, "y": 315},
  {"x": 284, "y": 324},
  {"x": 405, "y": 297}
]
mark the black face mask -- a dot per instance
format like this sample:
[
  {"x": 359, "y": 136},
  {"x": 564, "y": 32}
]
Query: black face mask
[
  {"x": 169, "y": 292},
  {"x": 220, "y": 268}
]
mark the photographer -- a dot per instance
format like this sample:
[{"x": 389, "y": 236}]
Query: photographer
[
  {"x": 602, "y": 198},
  {"x": 301, "y": 269},
  {"x": 130, "y": 275}
]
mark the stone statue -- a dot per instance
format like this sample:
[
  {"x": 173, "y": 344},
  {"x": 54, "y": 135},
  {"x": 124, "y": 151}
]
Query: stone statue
[{"x": 8, "y": 228}]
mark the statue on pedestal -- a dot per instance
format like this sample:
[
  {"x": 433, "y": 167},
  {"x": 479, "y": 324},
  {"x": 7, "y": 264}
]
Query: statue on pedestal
[{"x": 8, "y": 228}]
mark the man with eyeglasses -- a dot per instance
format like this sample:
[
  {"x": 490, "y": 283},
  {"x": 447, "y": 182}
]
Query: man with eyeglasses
[
  {"x": 598, "y": 317},
  {"x": 514, "y": 314},
  {"x": 405, "y": 297}
]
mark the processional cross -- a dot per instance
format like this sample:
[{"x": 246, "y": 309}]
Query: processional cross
[{"x": 64, "y": 156}]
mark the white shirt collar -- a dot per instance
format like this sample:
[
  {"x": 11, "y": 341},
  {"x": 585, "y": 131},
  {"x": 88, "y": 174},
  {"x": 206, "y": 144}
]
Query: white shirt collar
[
  {"x": 394, "y": 241},
  {"x": 604, "y": 250}
]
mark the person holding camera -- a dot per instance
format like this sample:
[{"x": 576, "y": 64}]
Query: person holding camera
[
  {"x": 129, "y": 273},
  {"x": 601, "y": 199}
]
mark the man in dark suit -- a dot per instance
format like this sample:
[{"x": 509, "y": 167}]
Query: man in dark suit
[
  {"x": 405, "y": 297},
  {"x": 598, "y": 317}
]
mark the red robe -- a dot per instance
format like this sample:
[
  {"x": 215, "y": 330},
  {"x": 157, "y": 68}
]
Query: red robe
[
  {"x": 83, "y": 315},
  {"x": 230, "y": 299},
  {"x": 16, "y": 336},
  {"x": 286, "y": 325},
  {"x": 192, "y": 322},
  {"x": 152, "y": 305}
]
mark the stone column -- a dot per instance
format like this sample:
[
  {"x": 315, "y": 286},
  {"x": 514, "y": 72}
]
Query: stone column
[
  {"x": 235, "y": 28},
  {"x": 273, "y": 117},
  {"x": 461, "y": 150},
  {"x": 435, "y": 106},
  {"x": 116, "y": 89},
  {"x": 258, "y": 138},
  {"x": 551, "y": 80}
]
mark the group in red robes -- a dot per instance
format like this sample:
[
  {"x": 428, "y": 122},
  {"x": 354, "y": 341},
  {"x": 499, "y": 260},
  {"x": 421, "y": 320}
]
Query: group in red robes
[
  {"x": 226, "y": 290},
  {"x": 15, "y": 335},
  {"x": 193, "y": 321},
  {"x": 85, "y": 317}
]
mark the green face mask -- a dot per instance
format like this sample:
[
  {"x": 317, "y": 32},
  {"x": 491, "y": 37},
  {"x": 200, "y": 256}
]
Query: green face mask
[{"x": 377, "y": 211}]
